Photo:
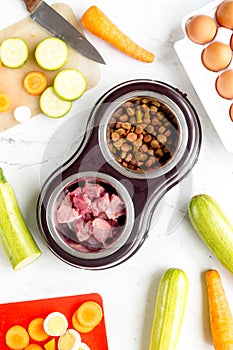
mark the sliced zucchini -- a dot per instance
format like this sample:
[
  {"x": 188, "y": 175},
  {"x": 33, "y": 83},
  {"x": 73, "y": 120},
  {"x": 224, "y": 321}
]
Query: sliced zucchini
[
  {"x": 14, "y": 52},
  {"x": 52, "y": 105},
  {"x": 70, "y": 84},
  {"x": 51, "y": 53}
]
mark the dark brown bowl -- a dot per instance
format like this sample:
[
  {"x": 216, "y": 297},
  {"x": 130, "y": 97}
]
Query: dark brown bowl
[{"x": 141, "y": 190}]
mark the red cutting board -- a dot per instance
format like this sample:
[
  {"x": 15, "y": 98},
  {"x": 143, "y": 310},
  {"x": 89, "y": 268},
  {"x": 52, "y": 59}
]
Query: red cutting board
[
  {"x": 22, "y": 313},
  {"x": 11, "y": 79}
]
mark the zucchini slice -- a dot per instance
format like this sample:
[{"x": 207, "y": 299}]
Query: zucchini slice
[
  {"x": 51, "y": 53},
  {"x": 14, "y": 52},
  {"x": 52, "y": 105},
  {"x": 70, "y": 84}
]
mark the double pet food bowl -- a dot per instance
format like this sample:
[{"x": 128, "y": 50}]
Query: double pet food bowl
[{"x": 142, "y": 138}]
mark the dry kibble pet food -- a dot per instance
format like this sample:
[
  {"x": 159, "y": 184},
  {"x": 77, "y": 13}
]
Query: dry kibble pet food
[{"x": 143, "y": 134}]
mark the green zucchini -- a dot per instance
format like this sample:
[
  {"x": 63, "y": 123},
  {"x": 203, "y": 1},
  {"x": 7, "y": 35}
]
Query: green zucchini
[
  {"x": 52, "y": 105},
  {"x": 51, "y": 53},
  {"x": 169, "y": 311},
  {"x": 70, "y": 84},
  {"x": 14, "y": 52},
  {"x": 15, "y": 237},
  {"x": 212, "y": 225}
]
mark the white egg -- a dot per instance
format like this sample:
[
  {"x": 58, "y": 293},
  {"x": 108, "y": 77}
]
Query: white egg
[
  {"x": 71, "y": 340},
  {"x": 83, "y": 346},
  {"x": 55, "y": 324}
]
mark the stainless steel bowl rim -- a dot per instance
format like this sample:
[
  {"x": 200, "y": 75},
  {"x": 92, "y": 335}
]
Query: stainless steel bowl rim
[
  {"x": 183, "y": 134},
  {"x": 120, "y": 189}
]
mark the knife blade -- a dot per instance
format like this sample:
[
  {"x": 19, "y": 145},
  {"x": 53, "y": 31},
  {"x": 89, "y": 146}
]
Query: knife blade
[{"x": 58, "y": 26}]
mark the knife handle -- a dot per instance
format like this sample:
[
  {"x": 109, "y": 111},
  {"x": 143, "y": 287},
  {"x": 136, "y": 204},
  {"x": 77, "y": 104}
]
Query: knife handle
[{"x": 31, "y": 4}]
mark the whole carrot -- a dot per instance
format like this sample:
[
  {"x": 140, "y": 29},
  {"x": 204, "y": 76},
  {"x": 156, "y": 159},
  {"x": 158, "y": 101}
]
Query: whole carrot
[
  {"x": 100, "y": 25},
  {"x": 221, "y": 320}
]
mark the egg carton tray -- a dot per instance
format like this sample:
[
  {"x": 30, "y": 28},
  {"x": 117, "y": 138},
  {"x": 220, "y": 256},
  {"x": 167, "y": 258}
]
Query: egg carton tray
[{"x": 204, "y": 80}]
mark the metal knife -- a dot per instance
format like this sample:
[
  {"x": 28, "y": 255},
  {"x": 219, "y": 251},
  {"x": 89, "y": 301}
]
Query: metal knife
[{"x": 58, "y": 26}]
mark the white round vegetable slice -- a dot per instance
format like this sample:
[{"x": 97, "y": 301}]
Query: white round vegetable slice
[
  {"x": 14, "y": 52},
  {"x": 70, "y": 84},
  {"x": 52, "y": 105},
  {"x": 22, "y": 114},
  {"x": 51, "y": 53}
]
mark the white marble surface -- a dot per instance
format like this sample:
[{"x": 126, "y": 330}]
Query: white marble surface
[{"x": 28, "y": 152}]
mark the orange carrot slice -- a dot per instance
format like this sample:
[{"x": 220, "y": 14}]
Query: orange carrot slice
[
  {"x": 100, "y": 25},
  {"x": 36, "y": 330},
  {"x": 35, "y": 83},
  {"x": 51, "y": 345},
  {"x": 221, "y": 320},
  {"x": 5, "y": 102},
  {"x": 89, "y": 314},
  {"x": 17, "y": 338},
  {"x": 33, "y": 347},
  {"x": 77, "y": 325}
]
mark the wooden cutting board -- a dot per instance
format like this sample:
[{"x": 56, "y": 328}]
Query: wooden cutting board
[
  {"x": 11, "y": 79},
  {"x": 22, "y": 313}
]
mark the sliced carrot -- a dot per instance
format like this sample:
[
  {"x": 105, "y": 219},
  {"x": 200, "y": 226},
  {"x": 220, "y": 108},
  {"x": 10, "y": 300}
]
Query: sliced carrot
[
  {"x": 36, "y": 330},
  {"x": 5, "y": 102},
  {"x": 51, "y": 345},
  {"x": 77, "y": 325},
  {"x": 17, "y": 338},
  {"x": 221, "y": 320},
  {"x": 89, "y": 314},
  {"x": 35, "y": 82},
  {"x": 100, "y": 25},
  {"x": 33, "y": 347}
]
